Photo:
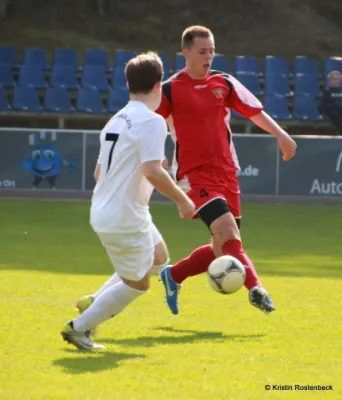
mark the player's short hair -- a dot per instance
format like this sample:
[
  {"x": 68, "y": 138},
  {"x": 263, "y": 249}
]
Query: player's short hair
[
  {"x": 143, "y": 72},
  {"x": 193, "y": 32}
]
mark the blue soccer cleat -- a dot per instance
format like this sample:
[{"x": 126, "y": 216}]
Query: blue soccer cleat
[
  {"x": 259, "y": 298},
  {"x": 171, "y": 289}
]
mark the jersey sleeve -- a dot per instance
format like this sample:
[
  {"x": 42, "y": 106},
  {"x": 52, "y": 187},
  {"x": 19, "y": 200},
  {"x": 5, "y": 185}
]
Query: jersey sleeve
[
  {"x": 152, "y": 140},
  {"x": 164, "y": 108},
  {"x": 241, "y": 100}
]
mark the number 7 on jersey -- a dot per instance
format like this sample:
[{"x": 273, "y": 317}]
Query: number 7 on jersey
[{"x": 111, "y": 137}]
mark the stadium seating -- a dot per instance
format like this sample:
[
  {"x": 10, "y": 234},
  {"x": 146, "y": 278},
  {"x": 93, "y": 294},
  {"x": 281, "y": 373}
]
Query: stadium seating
[
  {"x": 89, "y": 101},
  {"x": 276, "y": 66},
  {"x": 57, "y": 100},
  {"x": 26, "y": 99},
  {"x": 179, "y": 62},
  {"x": 65, "y": 57},
  {"x": 166, "y": 64},
  {"x": 96, "y": 57},
  {"x": 4, "y": 104},
  {"x": 236, "y": 115},
  {"x": 305, "y": 108},
  {"x": 304, "y": 65},
  {"x": 277, "y": 84},
  {"x": 246, "y": 65},
  {"x": 122, "y": 57},
  {"x": 118, "y": 78},
  {"x": 94, "y": 77},
  {"x": 36, "y": 57},
  {"x": 8, "y": 56},
  {"x": 306, "y": 84},
  {"x": 220, "y": 63},
  {"x": 6, "y": 77},
  {"x": 251, "y": 82},
  {"x": 32, "y": 76},
  {"x": 64, "y": 76},
  {"x": 276, "y": 106},
  {"x": 118, "y": 98},
  {"x": 97, "y": 85}
]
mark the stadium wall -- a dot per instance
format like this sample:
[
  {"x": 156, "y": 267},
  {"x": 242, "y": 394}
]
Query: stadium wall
[{"x": 60, "y": 163}]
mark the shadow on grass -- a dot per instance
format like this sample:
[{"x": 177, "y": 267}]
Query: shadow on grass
[
  {"x": 103, "y": 360},
  {"x": 93, "y": 362},
  {"x": 184, "y": 336}
]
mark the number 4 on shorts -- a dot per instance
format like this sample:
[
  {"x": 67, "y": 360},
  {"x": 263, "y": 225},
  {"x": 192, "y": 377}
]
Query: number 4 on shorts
[{"x": 204, "y": 193}]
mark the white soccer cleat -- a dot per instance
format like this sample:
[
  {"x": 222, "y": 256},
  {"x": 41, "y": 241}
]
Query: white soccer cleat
[{"x": 81, "y": 340}]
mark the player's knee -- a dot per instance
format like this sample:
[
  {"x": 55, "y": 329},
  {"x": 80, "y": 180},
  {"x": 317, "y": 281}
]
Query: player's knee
[
  {"x": 161, "y": 254},
  {"x": 161, "y": 260},
  {"x": 142, "y": 285},
  {"x": 225, "y": 228}
]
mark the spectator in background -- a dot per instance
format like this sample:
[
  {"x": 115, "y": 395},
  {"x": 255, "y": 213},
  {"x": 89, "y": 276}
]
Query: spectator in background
[{"x": 331, "y": 103}]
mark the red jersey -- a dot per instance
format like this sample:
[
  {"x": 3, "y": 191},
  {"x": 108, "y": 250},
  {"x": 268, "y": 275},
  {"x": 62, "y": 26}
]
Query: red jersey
[{"x": 200, "y": 110}]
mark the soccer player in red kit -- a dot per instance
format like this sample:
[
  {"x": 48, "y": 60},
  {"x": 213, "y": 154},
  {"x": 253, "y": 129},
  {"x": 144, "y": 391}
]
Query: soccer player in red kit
[{"x": 197, "y": 102}]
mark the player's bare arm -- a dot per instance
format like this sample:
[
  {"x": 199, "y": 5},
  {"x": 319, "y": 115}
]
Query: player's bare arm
[
  {"x": 161, "y": 180},
  {"x": 287, "y": 145},
  {"x": 97, "y": 172}
]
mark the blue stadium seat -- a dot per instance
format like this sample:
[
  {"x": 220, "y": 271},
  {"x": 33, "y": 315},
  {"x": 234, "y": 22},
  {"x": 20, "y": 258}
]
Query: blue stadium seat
[
  {"x": 332, "y": 64},
  {"x": 64, "y": 76},
  {"x": 307, "y": 84},
  {"x": 276, "y": 66},
  {"x": 32, "y": 76},
  {"x": 251, "y": 81},
  {"x": 94, "y": 77},
  {"x": 119, "y": 78},
  {"x": 179, "y": 62},
  {"x": 305, "y": 108},
  {"x": 65, "y": 57},
  {"x": 8, "y": 56},
  {"x": 220, "y": 63},
  {"x": 96, "y": 57},
  {"x": 58, "y": 100},
  {"x": 122, "y": 57},
  {"x": 277, "y": 107},
  {"x": 246, "y": 65},
  {"x": 277, "y": 84},
  {"x": 236, "y": 114},
  {"x": 4, "y": 104},
  {"x": 306, "y": 65},
  {"x": 118, "y": 98},
  {"x": 89, "y": 101},
  {"x": 35, "y": 56},
  {"x": 166, "y": 64},
  {"x": 26, "y": 99},
  {"x": 6, "y": 77}
]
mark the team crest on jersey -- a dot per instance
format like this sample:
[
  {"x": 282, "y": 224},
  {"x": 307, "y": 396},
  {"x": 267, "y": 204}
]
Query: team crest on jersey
[{"x": 218, "y": 92}]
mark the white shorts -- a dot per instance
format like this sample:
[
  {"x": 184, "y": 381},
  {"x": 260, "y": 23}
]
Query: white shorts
[{"x": 131, "y": 255}]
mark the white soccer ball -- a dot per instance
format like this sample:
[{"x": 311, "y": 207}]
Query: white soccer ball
[{"x": 226, "y": 275}]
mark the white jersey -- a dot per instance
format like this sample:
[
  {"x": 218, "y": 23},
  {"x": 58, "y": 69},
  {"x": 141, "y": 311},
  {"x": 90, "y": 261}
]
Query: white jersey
[{"x": 120, "y": 202}]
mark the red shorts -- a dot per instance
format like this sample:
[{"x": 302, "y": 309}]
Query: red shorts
[{"x": 206, "y": 186}]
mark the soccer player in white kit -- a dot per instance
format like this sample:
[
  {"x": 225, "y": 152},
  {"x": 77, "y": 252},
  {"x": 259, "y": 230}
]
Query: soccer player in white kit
[{"x": 131, "y": 154}]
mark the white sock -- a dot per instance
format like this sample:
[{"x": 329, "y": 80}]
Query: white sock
[
  {"x": 108, "y": 304},
  {"x": 113, "y": 280}
]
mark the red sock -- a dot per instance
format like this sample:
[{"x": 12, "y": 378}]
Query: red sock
[
  {"x": 234, "y": 248},
  {"x": 197, "y": 263}
]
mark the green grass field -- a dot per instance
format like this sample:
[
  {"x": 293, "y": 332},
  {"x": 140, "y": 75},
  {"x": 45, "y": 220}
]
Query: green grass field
[{"x": 218, "y": 347}]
